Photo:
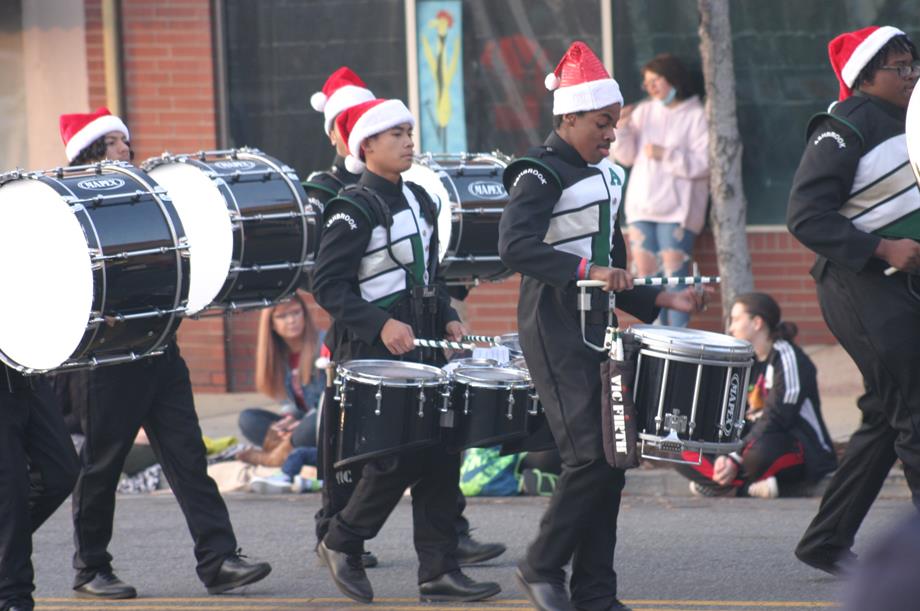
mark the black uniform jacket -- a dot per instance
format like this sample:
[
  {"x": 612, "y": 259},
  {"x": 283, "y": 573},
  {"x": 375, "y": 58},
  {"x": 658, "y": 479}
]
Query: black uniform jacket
[
  {"x": 566, "y": 373},
  {"x": 858, "y": 127},
  {"x": 323, "y": 186},
  {"x": 355, "y": 332}
]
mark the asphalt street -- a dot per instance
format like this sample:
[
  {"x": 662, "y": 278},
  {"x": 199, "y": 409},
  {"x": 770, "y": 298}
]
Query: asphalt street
[{"x": 674, "y": 553}]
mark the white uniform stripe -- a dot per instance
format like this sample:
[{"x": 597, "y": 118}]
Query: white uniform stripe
[
  {"x": 790, "y": 371},
  {"x": 810, "y": 415}
]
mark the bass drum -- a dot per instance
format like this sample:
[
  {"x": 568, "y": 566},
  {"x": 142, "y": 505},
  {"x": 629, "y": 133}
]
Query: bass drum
[
  {"x": 96, "y": 267},
  {"x": 468, "y": 190},
  {"x": 252, "y": 231}
]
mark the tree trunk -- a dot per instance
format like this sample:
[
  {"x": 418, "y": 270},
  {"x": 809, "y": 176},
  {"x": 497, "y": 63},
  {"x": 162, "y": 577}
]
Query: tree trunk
[{"x": 728, "y": 215}]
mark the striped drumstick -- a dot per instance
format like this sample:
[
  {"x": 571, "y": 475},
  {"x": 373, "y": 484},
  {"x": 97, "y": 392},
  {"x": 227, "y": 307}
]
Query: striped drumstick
[
  {"x": 494, "y": 340},
  {"x": 658, "y": 281},
  {"x": 442, "y": 343}
]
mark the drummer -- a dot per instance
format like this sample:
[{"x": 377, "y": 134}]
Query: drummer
[
  {"x": 155, "y": 393},
  {"x": 379, "y": 306},
  {"x": 342, "y": 90},
  {"x": 854, "y": 179},
  {"x": 786, "y": 443},
  {"x": 560, "y": 226}
]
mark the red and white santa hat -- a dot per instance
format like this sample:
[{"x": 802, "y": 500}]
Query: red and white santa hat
[
  {"x": 580, "y": 82},
  {"x": 851, "y": 51},
  {"x": 365, "y": 120},
  {"x": 343, "y": 89},
  {"x": 79, "y": 130}
]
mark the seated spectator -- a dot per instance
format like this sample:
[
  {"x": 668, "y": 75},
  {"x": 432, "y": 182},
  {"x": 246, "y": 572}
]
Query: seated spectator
[
  {"x": 287, "y": 348},
  {"x": 786, "y": 442}
]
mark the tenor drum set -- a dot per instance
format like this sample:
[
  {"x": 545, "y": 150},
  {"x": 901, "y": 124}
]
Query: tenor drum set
[{"x": 112, "y": 257}]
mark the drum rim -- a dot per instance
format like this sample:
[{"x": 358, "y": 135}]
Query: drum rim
[
  {"x": 347, "y": 371},
  {"x": 523, "y": 378},
  {"x": 741, "y": 352}
]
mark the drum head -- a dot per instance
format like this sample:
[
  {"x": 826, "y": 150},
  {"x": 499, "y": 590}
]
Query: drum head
[
  {"x": 47, "y": 277},
  {"x": 392, "y": 373},
  {"x": 494, "y": 377},
  {"x": 693, "y": 343},
  {"x": 430, "y": 180},
  {"x": 206, "y": 220}
]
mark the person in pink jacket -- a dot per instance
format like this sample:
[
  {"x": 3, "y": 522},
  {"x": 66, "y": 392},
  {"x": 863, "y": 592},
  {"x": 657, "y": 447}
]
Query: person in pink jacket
[{"x": 664, "y": 139}]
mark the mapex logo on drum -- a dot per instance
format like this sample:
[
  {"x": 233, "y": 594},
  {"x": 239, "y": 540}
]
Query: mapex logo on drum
[
  {"x": 734, "y": 387},
  {"x": 235, "y": 164},
  {"x": 487, "y": 189},
  {"x": 101, "y": 184}
]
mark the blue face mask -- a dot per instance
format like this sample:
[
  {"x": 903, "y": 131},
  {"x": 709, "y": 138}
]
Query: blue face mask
[{"x": 672, "y": 93}]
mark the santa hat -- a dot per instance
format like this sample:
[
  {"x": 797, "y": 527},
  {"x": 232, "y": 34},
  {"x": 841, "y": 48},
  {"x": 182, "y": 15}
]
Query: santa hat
[
  {"x": 580, "y": 82},
  {"x": 343, "y": 89},
  {"x": 79, "y": 130},
  {"x": 365, "y": 120},
  {"x": 850, "y": 52}
]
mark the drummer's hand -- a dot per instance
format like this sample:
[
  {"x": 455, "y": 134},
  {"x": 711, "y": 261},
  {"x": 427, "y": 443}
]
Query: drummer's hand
[
  {"x": 724, "y": 471},
  {"x": 455, "y": 330},
  {"x": 397, "y": 337},
  {"x": 689, "y": 300},
  {"x": 616, "y": 279},
  {"x": 902, "y": 254}
]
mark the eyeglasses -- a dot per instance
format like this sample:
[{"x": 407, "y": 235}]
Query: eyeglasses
[{"x": 907, "y": 71}]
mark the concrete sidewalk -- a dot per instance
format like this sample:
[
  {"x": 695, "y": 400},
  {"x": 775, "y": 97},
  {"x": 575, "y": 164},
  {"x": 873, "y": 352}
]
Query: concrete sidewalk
[{"x": 839, "y": 381}]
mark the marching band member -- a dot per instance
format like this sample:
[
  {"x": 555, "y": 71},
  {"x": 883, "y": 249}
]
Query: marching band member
[
  {"x": 342, "y": 90},
  {"x": 38, "y": 468},
  {"x": 379, "y": 306},
  {"x": 560, "y": 226},
  {"x": 853, "y": 184},
  {"x": 154, "y": 393}
]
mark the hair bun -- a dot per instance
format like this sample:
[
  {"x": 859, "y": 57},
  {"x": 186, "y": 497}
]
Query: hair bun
[{"x": 786, "y": 330}]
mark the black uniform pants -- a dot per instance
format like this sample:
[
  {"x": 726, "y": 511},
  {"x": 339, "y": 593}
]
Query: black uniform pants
[
  {"x": 580, "y": 524},
  {"x": 877, "y": 321},
  {"x": 155, "y": 393},
  {"x": 38, "y": 468},
  {"x": 433, "y": 476}
]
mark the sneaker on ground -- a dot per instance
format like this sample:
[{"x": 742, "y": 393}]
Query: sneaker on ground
[
  {"x": 697, "y": 489},
  {"x": 307, "y": 484},
  {"x": 764, "y": 489},
  {"x": 277, "y": 483}
]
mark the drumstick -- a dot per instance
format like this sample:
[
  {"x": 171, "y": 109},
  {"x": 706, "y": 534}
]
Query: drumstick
[
  {"x": 442, "y": 343},
  {"x": 657, "y": 281},
  {"x": 495, "y": 340},
  {"x": 891, "y": 271}
]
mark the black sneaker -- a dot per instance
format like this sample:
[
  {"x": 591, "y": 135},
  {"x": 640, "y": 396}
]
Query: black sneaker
[
  {"x": 697, "y": 489},
  {"x": 105, "y": 585}
]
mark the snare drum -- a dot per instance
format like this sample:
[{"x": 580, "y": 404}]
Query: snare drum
[
  {"x": 690, "y": 392},
  {"x": 96, "y": 267},
  {"x": 387, "y": 407},
  {"x": 491, "y": 405},
  {"x": 470, "y": 195},
  {"x": 252, "y": 230}
]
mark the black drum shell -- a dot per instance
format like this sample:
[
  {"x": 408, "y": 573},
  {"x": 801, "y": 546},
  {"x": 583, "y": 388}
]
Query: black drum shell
[
  {"x": 364, "y": 435},
  {"x": 486, "y": 421},
  {"x": 140, "y": 217},
  {"x": 679, "y": 396}
]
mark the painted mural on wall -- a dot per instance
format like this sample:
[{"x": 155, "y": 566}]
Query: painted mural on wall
[{"x": 440, "y": 36}]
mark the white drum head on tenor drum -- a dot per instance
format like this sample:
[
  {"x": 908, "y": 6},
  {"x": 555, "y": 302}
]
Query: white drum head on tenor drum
[
  {"x": 912, "y": 131},
  {"x": 46, "y": 276},
  {"x": 206, "y": 220},
  {"x": 693, "y": 343},
  {"x": 429, "y": 180}
]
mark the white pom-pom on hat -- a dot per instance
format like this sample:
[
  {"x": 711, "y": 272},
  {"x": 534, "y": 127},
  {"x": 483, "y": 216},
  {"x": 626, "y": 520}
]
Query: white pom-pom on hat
[
  {"x": 551, "y": 81},
  {"x": 318, "y": 101},
  {"x": 354, "y": 165}
]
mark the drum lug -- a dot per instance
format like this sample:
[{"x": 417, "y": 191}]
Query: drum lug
[
  {"x": 445, "y": 395},
  {"x": 675, "y": 422},
  {"x": 96, "y": 260},
  {"x": 534, "y": 402},
  {"x": 510, "y": 414},
  {"x": 379, "y": 396},
  {"x": 183, "y": 248},
  {"x": 466, "y": 401},
  {"x": 421, "y": 401}
]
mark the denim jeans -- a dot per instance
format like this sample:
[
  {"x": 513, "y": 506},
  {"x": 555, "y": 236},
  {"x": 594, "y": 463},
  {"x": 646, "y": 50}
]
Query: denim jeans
[{"x": 655, "y": 239}]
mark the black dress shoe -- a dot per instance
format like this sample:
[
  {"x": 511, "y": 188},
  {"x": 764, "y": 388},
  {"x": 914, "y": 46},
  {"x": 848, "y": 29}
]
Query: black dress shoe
[
  {"x": 470, "y": 551},
  {"x": 368, "y": 559},
  {"x": 18, "y": 605},
  {"x": 456, "y": 587},
  {"x": 236, "y": 572},
  {"x": 545, "y": 596},
  {"x": 348, "y": 574},
  {"x": 616, "y": 606},
  {"x": 835, "y": 562},
  {"x": 105, "y": 585}
]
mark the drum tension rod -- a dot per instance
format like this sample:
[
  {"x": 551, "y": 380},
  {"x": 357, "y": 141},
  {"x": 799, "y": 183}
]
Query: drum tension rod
[{"x": 379, "y": 396}]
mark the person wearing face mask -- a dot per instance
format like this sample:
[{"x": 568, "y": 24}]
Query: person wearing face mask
[
  {"x": 559, "y": 226},
  {"x": 786, "y": 442},
  {"x": 154, "y": 393},
  {"x": 664, "y": 139},
  {"x": 851, "y": 195}
]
